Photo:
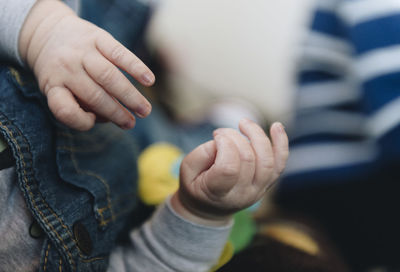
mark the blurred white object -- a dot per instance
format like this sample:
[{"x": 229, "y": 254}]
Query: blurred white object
[
  {"x": 228, "y": 113},
  {"x": 229, "y": 48}
]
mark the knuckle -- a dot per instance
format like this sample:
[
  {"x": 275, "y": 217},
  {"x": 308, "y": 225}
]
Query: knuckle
[
  {"x": 136, "y": 64},
  {"x": 87, "y": 60},
  {"x": 267, "y": 164},
  {"x": 100, "y": 34},
  {"x": 229, "y": 170},
  {"x": 116, "y": 114},
  {"x": 63, "y": 62},
  {"x": 107, "y": 75},
  {"x": 117, "y": 53},
  {"x": 44, "y": 85},
  {"x": 64, "y": 113},
  {"x": 85, "y": 126},
  {"x": 248, "y": 157},
  {"x": 126, "y": 95},
  {"x": 96, "y": 99},
  {"x": 207, "y": 150}
]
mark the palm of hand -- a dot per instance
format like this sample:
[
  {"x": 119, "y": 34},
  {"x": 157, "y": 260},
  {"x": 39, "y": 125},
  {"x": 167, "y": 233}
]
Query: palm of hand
[{"x": 232, "y": 172}]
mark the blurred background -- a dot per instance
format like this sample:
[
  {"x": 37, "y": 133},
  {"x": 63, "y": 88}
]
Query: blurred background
[
  {"x": 229, "y": 50},
  {"x": 217, "y": 61},
  {"x": 220, "y": 61}
]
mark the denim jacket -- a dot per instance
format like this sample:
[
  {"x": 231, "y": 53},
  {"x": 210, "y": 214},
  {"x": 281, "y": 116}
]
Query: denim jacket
[{"x": 79, "y": 186}]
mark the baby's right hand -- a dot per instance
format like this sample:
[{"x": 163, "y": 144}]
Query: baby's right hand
[
  {"x": 230, "y": 173},
  {"x": 76, "y": 64}
]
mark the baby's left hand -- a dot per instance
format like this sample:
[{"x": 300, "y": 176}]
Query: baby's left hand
[{"x": 77, "y": 67}]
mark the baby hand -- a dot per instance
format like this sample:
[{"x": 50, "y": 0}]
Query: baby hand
[
  {"x": 231, "y": 172},
  {"x": 76, "y": 64}
]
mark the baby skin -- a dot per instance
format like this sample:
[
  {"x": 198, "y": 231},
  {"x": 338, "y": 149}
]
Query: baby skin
[
  {"x": 76, "y": 65},
  {"x": 230, "y": 173}
]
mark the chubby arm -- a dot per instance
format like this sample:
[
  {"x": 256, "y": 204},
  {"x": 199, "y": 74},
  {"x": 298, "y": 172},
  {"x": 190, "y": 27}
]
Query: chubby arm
[
  {"x": 76, "y": 65},
  {"x": 217, "y": 179},
  {"x": 170, "y": 243}
]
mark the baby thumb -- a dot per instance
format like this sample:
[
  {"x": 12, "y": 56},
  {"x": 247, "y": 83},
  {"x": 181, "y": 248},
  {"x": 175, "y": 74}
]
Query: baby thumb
[{"x": 198, "y": 161}]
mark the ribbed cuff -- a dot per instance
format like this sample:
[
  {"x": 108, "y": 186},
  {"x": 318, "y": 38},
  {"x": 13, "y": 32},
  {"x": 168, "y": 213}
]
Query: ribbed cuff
[{"x": 195, "y": 246}]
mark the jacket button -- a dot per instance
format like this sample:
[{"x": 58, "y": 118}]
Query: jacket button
[
  {"x": 35, "y": 231},
  {"x": 82, "y": 238}
]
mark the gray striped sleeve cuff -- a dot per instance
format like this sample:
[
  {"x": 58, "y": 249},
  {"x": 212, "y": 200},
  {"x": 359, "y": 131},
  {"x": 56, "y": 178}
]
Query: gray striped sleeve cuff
[{"x": 12, "y": 17}]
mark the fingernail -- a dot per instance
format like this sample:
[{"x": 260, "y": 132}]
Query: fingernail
[
  {"x": 246, "y": 121},
  {"x": 143, "y": 110},
  {"x": 216, "y": 132},
  {"x": 281, "y": 128},
  {"x": 148, "y": 78},
  {"x": 128, "y": 125}
]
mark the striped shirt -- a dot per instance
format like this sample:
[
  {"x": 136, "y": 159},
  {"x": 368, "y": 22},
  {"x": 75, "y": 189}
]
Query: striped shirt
[{"x": 348, "y": 106}]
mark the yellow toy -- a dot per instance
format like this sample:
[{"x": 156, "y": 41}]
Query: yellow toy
[{"x": 159, "y": 177}]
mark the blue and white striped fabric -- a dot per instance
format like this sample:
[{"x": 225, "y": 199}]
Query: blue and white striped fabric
[{"x": 348, "y": 110}]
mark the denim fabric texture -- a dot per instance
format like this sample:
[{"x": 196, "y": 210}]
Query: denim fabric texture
[
  {"x": 79, "y": 186},
  {"x": 124, "y": 19}
]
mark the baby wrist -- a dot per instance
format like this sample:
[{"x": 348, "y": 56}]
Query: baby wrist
[
  {"x": 38, "y": 24},
  {"x": 197, "y": 217}
]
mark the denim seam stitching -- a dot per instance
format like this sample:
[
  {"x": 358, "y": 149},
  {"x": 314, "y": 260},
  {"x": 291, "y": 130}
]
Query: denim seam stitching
[
  {"x": 15, "y": 74},
  {"x": 46, "y": 258},
  {"x": 92, "y": 148},
  {"x": 34, "y": 200},
  {"x": 44, "y": 217},
  {"x": 118, "y": 214},
  {"x": 41, "y": 213},
  {"x": 112, "y": 137},
  {"x": 93, "y": 259},
  {"x": 117, "y": 200},
  {"x": 103, "y": 222}
]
